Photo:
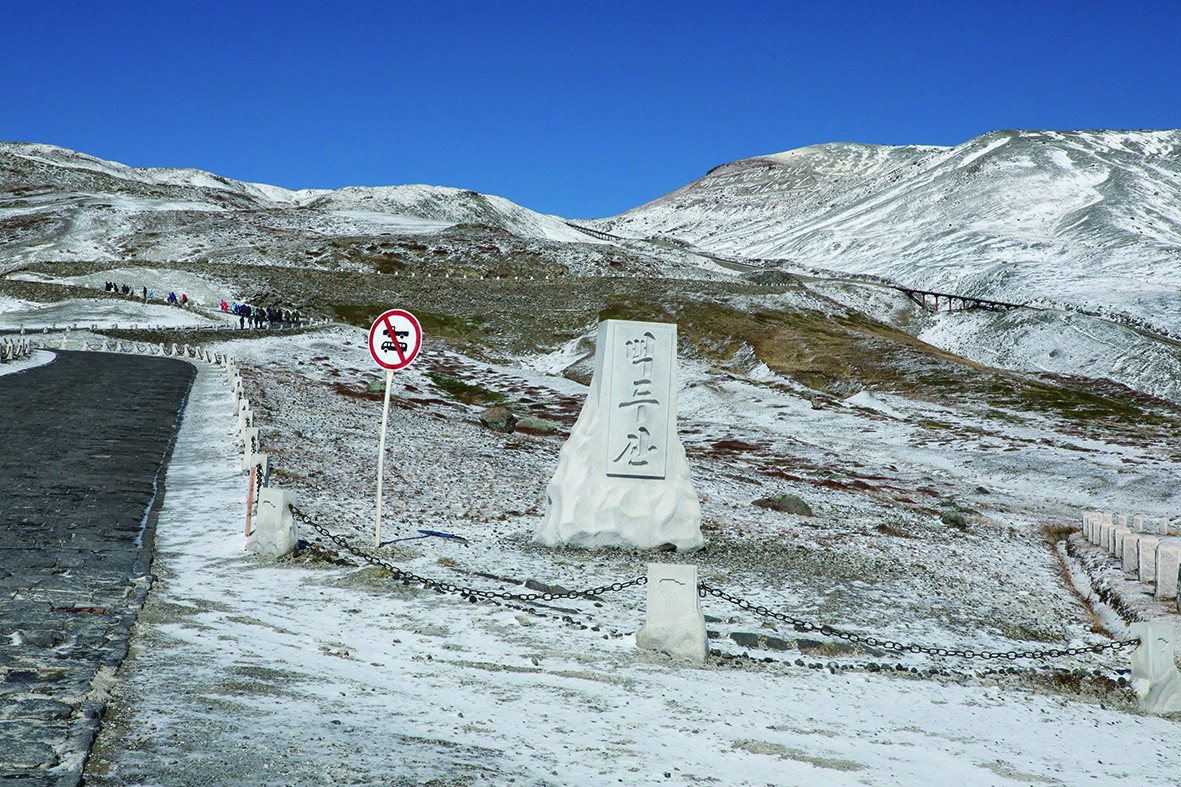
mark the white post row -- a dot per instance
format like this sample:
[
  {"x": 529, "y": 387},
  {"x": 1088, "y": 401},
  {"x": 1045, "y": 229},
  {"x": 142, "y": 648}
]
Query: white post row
[
  {"x": 1101, "y": 530},
  {"x": 1118, "y": 533},
  {"x": 674, "y": 623},
  {"x": 1142, "y": 546}
]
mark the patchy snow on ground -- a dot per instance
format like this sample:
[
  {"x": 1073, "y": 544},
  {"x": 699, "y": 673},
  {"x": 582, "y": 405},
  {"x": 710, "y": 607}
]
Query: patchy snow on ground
[
  {"x": 15, "y": 315},
  {"x": 309, "y": 671},
  {"x": 1060, "y": 342},
  {"x": 315, "y": 675},
  {"x": 159, "y": 281},
  {"x": 875, "y": 402}
]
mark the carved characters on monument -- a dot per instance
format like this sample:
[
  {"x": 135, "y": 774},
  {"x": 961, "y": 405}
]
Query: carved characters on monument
[
  {"x": 622, "y": 477},
  {"x": 636, "y": 454},
  {"x": 639, "y": 394}
]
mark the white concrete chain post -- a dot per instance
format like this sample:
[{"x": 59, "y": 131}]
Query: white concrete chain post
[
  {"x": 274, "y": 533},
  {"x": 1168, "y": 561},
  {"x": 674, "y": 623},
  {"x": 1146, "y": 564},
  {"x": 1154, "y": 670}
]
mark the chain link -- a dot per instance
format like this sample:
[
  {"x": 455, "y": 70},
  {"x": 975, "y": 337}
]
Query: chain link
[
  {"x": 472, "y": 594},
  {"x": 802, "y": 625}
]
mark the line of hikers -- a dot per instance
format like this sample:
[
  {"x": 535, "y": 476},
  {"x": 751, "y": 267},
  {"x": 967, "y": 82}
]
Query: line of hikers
[
  {"x": 146, "y": 294},
  {"x": 260, "y": 316},
  {"x": 248, "y": 316}
]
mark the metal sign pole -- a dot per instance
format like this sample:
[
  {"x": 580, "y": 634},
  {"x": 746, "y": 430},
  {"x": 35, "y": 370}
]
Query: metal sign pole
[
  {"x": 399, "y": 348},
  {"x": 385, "y": 413}
]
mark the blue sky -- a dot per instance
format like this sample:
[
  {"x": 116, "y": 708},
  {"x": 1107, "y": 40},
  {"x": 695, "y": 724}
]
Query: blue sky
[{"x": 577, "y": 108}]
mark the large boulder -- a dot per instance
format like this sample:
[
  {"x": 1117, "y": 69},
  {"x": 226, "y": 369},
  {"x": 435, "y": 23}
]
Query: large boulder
[
  {"x": 788, "y": 504},
  {"x": 498, "y": 419},
  {"x": 954, "y": 518}
]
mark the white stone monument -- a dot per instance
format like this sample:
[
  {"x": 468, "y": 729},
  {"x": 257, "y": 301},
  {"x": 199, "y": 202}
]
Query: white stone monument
[
  {"x": 1116, "y": 546},
  {"x": 1104, "y": 536},
  {"x": 622, "y": 478},
  {"x": 1091, "y": 521}
]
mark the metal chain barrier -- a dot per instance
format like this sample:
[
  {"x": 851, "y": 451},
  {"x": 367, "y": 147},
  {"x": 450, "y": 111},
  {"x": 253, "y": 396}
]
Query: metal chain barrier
[
  {"x": 472, "y": 594},
  {"x": 704, "y": 590}
]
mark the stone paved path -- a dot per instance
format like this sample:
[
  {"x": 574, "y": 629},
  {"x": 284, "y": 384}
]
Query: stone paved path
[{"x": 83, "y": 442}]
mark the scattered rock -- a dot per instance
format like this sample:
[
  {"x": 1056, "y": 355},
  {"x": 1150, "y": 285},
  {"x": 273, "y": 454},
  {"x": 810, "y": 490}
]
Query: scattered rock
[
  {"x": 581, "y": 371},
  {"x": 738, "y": 446},
  {"x": 982, "y": 491},
  {"x": 531, "y": 424},
  {"x": 541, "y": 587},
  {"x": 788, "y": 504},
  {"x": 953, "y": 518},
  {"x": 745, "y": 640},
  {"x": 498, "y": 419}
]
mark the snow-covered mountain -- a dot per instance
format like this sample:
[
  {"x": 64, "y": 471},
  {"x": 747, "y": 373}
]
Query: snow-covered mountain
[
  {"x": 1087, "y": 218},
  {"x": 1086, "y": 224},
  {"x": 58, "y": 204}
]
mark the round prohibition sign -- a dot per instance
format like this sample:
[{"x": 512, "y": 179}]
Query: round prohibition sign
[{"x": 395, "y": 339}]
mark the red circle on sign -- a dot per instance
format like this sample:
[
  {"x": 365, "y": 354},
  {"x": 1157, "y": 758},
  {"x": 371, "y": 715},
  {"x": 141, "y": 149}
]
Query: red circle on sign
[{"x": 395, "y": 339}]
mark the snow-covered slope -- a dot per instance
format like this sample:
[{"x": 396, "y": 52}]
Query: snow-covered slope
[
  {"x": 1087, "y": 218},
  {"x": 447, "y": 206},
  {"x": 60, "y": 204}
]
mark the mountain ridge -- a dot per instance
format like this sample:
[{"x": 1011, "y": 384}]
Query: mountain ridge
[
  {"x": 1077, "y": 223},
  {"x": 1001, "y": 216}
]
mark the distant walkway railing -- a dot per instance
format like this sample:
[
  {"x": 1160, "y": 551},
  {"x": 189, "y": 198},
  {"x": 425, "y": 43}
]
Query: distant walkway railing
[
  {"x": 71, "y": 340},
  {"x": 593, "y": 232},
  {"x": 14, "y": 349},
  {"x": 935, "y": 302}
]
